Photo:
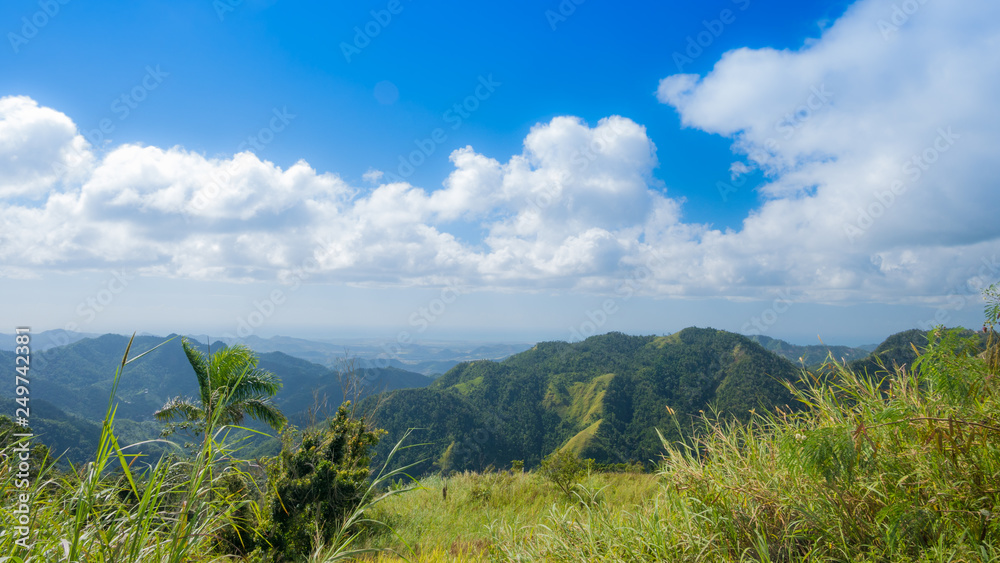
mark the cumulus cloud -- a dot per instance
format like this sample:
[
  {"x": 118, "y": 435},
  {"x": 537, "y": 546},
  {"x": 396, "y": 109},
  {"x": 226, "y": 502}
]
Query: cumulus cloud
[
  {"x": 568, "y": 207},
  {"x": 38, "y": 147},
  {"x": 877, "y": 143}
]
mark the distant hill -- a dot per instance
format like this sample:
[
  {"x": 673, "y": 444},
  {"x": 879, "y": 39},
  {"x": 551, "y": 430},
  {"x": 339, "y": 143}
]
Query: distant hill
[
  {"x": 603, "y": 398},
  {"x": 66, "y": 435},
  {"x": 898, "y": 350},
  {"x": 813, "y": 354},
  {"x": 46, "y": 339},
  {"x": 427, "y": 358},
  {"x": 70, "y": 385}
]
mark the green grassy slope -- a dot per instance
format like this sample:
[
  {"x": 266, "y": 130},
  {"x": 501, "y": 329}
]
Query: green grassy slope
[{"x": 603, "y": 398}]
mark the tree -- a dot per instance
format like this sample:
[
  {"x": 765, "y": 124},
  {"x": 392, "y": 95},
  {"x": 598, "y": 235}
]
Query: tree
[
  {"x": 564, "y": 469},
  {"x": 230, "y": 387},
  {"x": 318, "y": 484}
]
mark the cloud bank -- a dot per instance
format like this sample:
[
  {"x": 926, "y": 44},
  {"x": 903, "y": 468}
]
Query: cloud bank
[{"x": 877, "y": 142}]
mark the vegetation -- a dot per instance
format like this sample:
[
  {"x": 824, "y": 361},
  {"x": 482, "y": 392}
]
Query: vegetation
[
  {"x": 895, "y": 471},
  {"x": 318, "y": 482},
  {"x": 812, "y": 355},
  {"x": 899, "y": 465},
  {"x": 230, "y": 386},
  {"x": 71, "y": 383},
  {"x": 564, "y": 470},
  {"x": 601, "y": 398},
  {"x": 200, "y": 506}
]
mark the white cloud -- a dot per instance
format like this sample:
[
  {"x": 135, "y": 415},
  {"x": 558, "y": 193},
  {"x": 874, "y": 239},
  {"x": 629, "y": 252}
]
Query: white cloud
[
  {"x": 568, "y": 206},
  {"x": 835, "y": 126},
  {"x": 37, "y": 146}
]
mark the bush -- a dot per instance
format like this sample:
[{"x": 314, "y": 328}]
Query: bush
[
  {"x": 319, "y": 483},
  {"x": 564, "y": 470}
]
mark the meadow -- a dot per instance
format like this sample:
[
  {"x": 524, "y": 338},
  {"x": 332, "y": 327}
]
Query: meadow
[{"x": 898, "y": 466}]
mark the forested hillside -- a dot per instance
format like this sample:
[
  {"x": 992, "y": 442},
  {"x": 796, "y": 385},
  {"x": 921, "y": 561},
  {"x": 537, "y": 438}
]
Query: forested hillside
[
  {"x": 603, "y": 398},
  {"x": 813, "y": 354},
  {"x": 70, "y": 387}
]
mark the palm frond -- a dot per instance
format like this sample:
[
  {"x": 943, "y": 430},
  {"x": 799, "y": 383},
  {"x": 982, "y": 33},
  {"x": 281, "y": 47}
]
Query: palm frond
[
  {"x": 179, "y": 407},
  {"x": 265, "y": 411},
  {"x": 200, "y": 364}
]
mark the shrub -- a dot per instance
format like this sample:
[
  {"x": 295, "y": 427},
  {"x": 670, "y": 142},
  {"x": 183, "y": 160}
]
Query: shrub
[
  {"x": 563, "y": 469},
  {"x": 318, "y": 484}
]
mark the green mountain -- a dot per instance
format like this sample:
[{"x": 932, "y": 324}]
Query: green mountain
[
  {"x": 70, "y": 388},
  {"x": 898, "y": 350},
  {"x": 813, "y": 354},
  {"x": 603, "y": 398}
]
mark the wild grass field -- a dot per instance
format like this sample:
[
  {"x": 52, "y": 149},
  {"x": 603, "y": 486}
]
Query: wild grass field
[
  {"x": 905, "y": 467},
  {"x": 897, "y": 466}
]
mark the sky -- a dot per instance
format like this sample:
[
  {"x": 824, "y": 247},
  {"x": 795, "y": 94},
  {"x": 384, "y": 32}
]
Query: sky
[{"x": 515, "y": 171}]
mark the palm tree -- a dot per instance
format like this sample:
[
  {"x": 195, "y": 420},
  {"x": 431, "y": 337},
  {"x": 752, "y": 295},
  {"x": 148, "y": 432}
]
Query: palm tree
[{"x": 230, "y": 387}]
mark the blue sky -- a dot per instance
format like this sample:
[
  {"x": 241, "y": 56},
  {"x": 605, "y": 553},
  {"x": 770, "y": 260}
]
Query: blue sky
[{"x": 510, "y": 171}]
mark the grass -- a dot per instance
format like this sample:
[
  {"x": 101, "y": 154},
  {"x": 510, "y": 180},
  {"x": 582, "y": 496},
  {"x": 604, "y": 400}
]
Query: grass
[
  {"x": 430, "y": 527},
  {"x": 901, "y": 466},
  {"x": 120, "y": 507}
]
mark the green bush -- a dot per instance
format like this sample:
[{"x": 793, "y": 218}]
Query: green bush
[
  {"x": 318, "y": 484},
  {"x": 564, "y": 470}
]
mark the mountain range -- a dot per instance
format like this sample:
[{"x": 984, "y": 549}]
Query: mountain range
[{"x": 602, "y": 398}]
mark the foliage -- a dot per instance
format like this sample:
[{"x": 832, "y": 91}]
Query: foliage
[
  {"x": 230, "y": 386},
  {"x": 812, "y": 355},
  {"x": 602, "y": 397},
  {"x": 318, "y": 483},
  {"x": 195, "y": 508},
  {"x": 461, "y": 529},
  {"x": 905, "y": 471},
  {"x": 563, "y": 469}
]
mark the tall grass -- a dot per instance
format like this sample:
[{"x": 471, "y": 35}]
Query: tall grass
[
  {"x": 905, "y": 468},
  {"x": 121, "y": 507},
  {"x": 891, "y": 467}
]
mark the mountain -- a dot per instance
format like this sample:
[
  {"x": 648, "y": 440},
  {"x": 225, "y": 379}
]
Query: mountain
[
  {"x": 70, "y": 436},
  {"x": 70, "y": 386},
  {"x": 427, "y": 357},
  {"x": 603, "y": 398},
  {"x": 46, "y": 339},
  {"x": 813, "y": 354},
  {"x": 898, "y": 350}
]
